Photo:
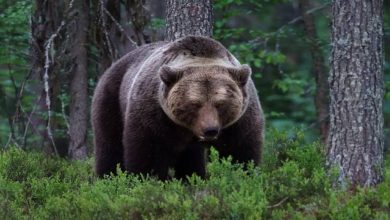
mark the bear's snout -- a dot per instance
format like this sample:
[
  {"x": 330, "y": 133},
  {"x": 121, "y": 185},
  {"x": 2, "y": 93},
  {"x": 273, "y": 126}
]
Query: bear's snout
[
  {"x": 207, "y": 127},
  {"x": 211, "y": 132}
]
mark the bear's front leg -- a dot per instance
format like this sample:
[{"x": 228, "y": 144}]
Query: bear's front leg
[
  {"x": 191, "y": 161},
  {"x": 242, "y": 149},
  {"x": 243, "y": 141},
  {"x": 143, "y": 154}
]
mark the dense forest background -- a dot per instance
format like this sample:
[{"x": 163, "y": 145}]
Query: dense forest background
[{"x": 271, "y": 36}]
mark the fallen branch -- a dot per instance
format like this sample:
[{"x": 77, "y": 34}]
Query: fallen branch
[{"x": 278, "y": 204}]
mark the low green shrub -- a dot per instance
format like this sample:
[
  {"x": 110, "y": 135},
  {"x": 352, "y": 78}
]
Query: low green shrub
[{"x": 291, "y": 183}]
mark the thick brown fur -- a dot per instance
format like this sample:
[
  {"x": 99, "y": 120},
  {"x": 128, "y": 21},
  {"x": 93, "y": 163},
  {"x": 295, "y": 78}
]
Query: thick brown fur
[{"x": 152, "y": 109}]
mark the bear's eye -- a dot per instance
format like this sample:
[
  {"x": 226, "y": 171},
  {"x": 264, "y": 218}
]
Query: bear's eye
[
  {"x": 194, "y": 105},
  {"x": 220, "y": 105}
]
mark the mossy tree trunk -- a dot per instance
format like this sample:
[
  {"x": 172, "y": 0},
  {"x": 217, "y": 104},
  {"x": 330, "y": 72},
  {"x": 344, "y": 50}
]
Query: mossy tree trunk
[
  {"x": 356, "y": 91},
  {"x": 188, "y": 17}
]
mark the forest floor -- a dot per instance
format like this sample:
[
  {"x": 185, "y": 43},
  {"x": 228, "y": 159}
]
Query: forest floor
[{"x": 291, "y": 183}]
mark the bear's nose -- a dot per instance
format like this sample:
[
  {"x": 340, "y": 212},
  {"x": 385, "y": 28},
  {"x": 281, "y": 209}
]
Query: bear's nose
[{"x": 211, "y": 132}]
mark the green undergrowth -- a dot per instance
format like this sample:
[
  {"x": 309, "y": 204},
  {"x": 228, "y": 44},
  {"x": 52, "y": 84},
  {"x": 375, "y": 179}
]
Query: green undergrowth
[{"x": 291, "y": 183}]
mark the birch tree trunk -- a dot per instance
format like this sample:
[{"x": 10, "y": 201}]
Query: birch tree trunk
[
  {"x": 78, "y": 119},
  {"x": 356, "y": 91},
  {"x": 188, "y": 17},
  {"x": 321, "y": 99}
]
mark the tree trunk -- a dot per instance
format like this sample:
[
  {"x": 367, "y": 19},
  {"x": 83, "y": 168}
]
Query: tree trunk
[
  {"x": 78, "y": 120},
  {"x": 321, "y": 99},
  {"x": 44, "y": 22},
  {"x": 188, "y": 17},
  {"x": 40, "y": 30},
  {"x": 356, "y": 92}
]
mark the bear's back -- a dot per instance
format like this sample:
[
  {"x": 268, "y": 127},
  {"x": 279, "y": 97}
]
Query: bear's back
[{"x": 135, "y": 70}]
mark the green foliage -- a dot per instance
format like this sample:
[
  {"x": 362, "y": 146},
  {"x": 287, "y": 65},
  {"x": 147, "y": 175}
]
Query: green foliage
[
  {"x": 14, "y": 36},
  {"x": 291, "y": 183},
  {"x": 157, "y": 23},
  {"x": 258, "y": 34}
]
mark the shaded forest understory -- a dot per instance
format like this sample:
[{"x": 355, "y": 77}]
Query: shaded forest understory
[
  {"x": 287, "y": 44},
  {"x": 291, "y": 184}
]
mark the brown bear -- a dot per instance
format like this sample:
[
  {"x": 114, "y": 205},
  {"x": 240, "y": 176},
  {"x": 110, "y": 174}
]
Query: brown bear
[{"x": 162, "y": 104}]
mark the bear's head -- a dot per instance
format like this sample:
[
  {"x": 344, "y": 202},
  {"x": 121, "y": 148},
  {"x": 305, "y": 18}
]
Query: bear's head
[{"x": 204, "y": 99}]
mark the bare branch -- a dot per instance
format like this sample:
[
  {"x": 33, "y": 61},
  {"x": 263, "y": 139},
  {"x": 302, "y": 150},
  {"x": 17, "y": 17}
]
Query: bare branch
[
  {"x": 311, "y": 11},
  {"x": 48, "y": 46},
  {"x": 29, "y": 121},
  {"x": 121, "y": 29},
  {"x": 63, "y": 114},
  {"x": 11, "y": 139},
  {"x": 46, "y": 81},
  {"x": 103, "y": 20},
  {"x": 291, "y": 22}
]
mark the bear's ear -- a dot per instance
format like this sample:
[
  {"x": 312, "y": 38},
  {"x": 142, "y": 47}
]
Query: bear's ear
[
  {"x": 170, "y": 75},
  {"x": 241, "y": 74}
]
